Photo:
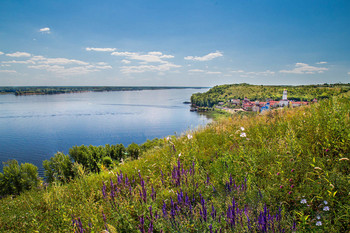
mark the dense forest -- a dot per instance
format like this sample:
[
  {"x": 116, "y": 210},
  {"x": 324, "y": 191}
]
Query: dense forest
[
  {"x": 50, "y": 90},
  {"x": 223, "y": 93}
]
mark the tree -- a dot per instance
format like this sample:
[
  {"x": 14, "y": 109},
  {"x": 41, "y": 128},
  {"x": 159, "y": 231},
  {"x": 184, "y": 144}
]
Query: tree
[
  {"x": 58, "y": 168},
  {"x": 133, "y": 150},
  {"x": 18, "y": 178}
]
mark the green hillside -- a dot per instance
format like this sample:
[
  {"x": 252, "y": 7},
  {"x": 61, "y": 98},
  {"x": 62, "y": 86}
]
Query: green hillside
[
  {"x": 261, "y": 93},
  {"x": 285, "y": 171}
]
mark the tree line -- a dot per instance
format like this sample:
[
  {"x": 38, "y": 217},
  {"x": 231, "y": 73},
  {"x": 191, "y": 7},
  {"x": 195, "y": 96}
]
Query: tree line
[
  {"x": 63, "y": 168},
  {"x": 224, "y": 93}
]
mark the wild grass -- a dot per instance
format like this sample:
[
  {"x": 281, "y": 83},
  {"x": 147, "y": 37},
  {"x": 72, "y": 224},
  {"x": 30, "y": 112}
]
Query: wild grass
[{"x": 285, "y": 171}]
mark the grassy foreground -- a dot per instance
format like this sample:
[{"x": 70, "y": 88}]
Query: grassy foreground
[{"x": 286, "y": 171}]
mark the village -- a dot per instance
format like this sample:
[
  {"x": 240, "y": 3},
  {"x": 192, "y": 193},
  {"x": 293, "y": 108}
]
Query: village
[{"x": 235, "y": 105}]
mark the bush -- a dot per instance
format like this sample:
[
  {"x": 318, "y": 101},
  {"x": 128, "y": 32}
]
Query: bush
[
  {"x": 107, "y": 161},
  {"x": 133, "y": 150},
  {"x": 58, "y": 168},
  {"x": 18, "y": 178}
]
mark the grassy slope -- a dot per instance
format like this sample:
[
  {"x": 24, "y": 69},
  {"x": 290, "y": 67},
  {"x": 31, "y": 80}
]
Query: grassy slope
[{"x": 286, "y": 156}]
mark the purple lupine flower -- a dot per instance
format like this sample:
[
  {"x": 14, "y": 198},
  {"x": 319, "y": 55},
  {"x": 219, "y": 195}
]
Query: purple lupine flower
[
  {"x": 141, "y": 197},
  {"x": 211, "y": 228},
  {"x": 140, "y": 175},
  {"x": 161, "y": 172},
  {"x": 126, "y": 180},
  {"x": 73, "y": 221},
  {"x": 164, "y": 210},
  {"x": 104, "y": 190},
  {"x": 112, "y": 191},
  {"x": 154, "y": 194},
  {"x": 213, "y": 212},
  {"x": 208, "y": 178},
  {"x": 80, "y": 226},
  {"x": 105, "y": 220},
  {"x": 172, "y": 211},
  {"x": 228, "y": 188},
  {"x": 150, "y": 212},
  {"x": 201, "y": 214},
  {"x": 142, "y": 224},
  {"x": 150, "y": 228},
  {"x": 187, "y": 200}
]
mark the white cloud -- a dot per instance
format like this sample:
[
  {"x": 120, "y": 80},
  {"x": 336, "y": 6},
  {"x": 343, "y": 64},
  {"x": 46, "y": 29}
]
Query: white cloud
[
  {"x": 204, "y": 71},
  {"x": 348, "y": 73},
  {"x": 61, "y": 61},
  {"x": 5, "y": 65},
  {"x": 148, "y": 68},
  {"x": 64, "y": 66},
  {"x": 101, "y": 49},
  {"x": 213, "y": 72},
  {"x": 19, "y": 62},
  {"x": 207, "y": 57},
  {"x": 196, "y": 71},
  {"x": 146, "y": 58},
  {"x": 45, "y": 30},
  {"x": 98, "y": 67},
  {"x": 65, "y": 71},
  {"x": 302, "y": 68},
  {"x": 252, "y": 74},
  {"x": 18, "y": 54},
  {"x": 321, "y": 62},
  {"x": 237, "y": 71},
  {"x": 1, "y": 53},
  {"x": 126, "y": 61},
  {"x": 8, "y": 71},
  {"x": 261, "y": 73}
]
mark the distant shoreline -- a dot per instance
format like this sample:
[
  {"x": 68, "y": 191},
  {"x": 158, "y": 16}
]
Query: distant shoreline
[{"x": 54, "y": 90}]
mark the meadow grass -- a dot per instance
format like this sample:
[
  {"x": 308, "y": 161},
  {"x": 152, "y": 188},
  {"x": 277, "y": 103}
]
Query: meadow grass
[{"x": 284, "y": 171}]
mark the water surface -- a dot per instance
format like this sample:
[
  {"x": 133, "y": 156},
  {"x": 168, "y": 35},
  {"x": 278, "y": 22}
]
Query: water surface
[{"x": 34, "y": 128}]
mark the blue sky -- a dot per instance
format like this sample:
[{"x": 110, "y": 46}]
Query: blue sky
[{"x": 174, "y": 43}]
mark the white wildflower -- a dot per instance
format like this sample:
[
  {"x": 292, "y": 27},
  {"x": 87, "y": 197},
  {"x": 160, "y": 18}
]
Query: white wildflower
[
  {"x": 189, "y": 136},
  {"x": 318, "y": 217},
  {"x": 325, "y": 202},
  {"x": 303, "y": 201},
  {"x": 242, "y": 128},
  {"x": 326, "y": 208},
  {"x": 243, "y": 135},
  {"x": 168, "y": 138},
  {"x": 179, "y": 154},
  {"x": 318, "y": 223}
]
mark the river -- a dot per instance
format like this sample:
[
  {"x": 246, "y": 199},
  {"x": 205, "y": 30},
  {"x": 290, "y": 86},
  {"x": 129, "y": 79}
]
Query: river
[{"x": 33, "y": 128}]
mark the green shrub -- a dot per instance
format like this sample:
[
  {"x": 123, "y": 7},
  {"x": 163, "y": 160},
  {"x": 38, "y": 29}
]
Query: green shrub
[
  {"x": 107, "y": 161},
  {"x": 58, "y": 168},
  {"x": 133, "y": 150},
  {"x": 18, "y": 178}
]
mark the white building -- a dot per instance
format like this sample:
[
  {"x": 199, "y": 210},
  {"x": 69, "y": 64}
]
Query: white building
[{"x": 284, "y": 101}]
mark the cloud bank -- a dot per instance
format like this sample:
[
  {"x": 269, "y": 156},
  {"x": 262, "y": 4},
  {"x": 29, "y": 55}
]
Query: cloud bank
[
  {"x": 303, "y": 68},
  {"x": 18, "y": 54}
]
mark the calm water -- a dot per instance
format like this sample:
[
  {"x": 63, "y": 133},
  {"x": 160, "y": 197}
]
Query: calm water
[{"x": 34, "y": 128}]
